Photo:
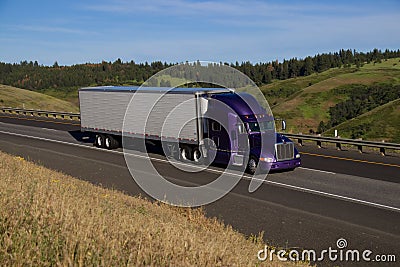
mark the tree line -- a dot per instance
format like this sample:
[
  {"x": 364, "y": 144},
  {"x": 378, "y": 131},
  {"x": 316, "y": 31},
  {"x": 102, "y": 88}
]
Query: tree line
[{"x": 33, "y": 76}]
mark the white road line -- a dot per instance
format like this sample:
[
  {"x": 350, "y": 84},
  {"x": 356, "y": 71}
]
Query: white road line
[
  {"x": 315, "y": 170},
  {"x": 334, "y": 196},
  {"x": 247, "y": 177},
  {"x": 49, "y": 129}
]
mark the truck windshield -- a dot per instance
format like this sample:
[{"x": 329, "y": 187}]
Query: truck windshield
[{"x": 262, "y": 126}]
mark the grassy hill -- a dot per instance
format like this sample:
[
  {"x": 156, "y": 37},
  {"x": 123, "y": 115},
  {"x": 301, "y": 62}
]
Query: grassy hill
[
  {"x": 305, "y": 101},
  {"x": 21, "y": 98},
  {"x": 51, "y": 219},
  {"x": 381, "y": 123}
]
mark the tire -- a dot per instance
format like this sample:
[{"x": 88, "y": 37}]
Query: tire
[
  {"x": 252, "y": 165},
  {"x": 110, "y": 142},
  {"x": 197, "y": 156},
  {"x": 99, "y": 141},
  {"x": 185, "y": 153}
]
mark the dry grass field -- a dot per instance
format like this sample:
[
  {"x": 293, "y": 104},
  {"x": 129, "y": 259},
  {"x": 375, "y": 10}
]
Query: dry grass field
[
  {"x": 21, "y": 98},
  {"x": 50, "y": 219}
]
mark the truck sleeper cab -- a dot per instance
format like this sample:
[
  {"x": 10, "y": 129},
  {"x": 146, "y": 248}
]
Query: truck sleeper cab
[{"x": 257, "y": 124}]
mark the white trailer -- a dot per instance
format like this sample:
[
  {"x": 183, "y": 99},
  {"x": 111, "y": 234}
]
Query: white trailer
[{"x": 103, "y": 110}]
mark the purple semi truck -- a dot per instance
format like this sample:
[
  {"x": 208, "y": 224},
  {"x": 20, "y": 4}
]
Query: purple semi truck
[{"x": 220, "y": 125}]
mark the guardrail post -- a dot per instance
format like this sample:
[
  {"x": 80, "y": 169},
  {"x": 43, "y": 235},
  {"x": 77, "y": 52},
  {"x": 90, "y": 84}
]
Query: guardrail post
[
  {"x": 382, "y": 150},
  {"x": 338, "y": 146},
  {"x": 360, "y": 148},
  {"x": 300, "y": 142},
  {"x": 319, "y": 144}
]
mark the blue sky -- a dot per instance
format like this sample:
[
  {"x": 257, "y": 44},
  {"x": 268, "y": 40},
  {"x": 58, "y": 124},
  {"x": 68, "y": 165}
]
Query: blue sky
[{"x": 72, "y": 32}]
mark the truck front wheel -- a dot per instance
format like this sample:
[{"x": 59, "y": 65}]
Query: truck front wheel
[{"x": 252, "y": 165}]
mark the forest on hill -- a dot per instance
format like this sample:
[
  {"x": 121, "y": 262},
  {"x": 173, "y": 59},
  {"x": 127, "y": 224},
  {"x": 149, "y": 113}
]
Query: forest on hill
[
  {"x": 33, "y": 76},
  {"x": 315, "y": 94}
]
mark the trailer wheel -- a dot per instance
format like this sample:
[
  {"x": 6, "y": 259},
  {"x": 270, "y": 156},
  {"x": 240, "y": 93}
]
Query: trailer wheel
[
  {"x": 252, "y": 165},
  {"x": 197, "y": 156},
  {"x": 110, "y": 142},
  {"x": 99, "y": 140},
  {"x": 186, "y": 153}
]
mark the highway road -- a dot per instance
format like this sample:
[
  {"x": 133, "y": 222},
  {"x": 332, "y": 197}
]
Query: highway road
[{"x": 335, "y": 194}]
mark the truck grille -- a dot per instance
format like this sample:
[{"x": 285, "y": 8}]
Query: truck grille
[{"x": 284, "y": 151}]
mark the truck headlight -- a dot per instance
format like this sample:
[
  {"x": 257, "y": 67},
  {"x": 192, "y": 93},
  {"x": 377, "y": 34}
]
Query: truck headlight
[
  {"x": 297, "y": 156},
  {"x": 267, "y": 159}
]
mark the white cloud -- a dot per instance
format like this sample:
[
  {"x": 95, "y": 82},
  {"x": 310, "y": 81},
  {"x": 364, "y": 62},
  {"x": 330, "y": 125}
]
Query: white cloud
[
  {"x": 49, "y": 29},
  {"x": 208, "y": 8}
]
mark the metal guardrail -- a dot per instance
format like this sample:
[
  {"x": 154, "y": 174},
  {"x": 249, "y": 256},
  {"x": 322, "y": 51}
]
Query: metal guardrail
[
  {"x": 41, "y": 113},
  {"x": 344, "y": 141},
  {"x": 300, "y": 137}
]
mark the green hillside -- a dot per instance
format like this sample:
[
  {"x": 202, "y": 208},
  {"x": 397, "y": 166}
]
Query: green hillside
[
  {"x": 304, "y": 102},
  {"x": 381, "y": 123},
  {"x": 21, "y": 98}
]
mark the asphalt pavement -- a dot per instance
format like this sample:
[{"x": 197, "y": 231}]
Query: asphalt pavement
[{"x": 335, "y": 194}]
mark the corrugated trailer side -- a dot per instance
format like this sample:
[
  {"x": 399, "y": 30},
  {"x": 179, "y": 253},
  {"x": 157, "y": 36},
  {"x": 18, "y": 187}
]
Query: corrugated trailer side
[
  {"x": 103, "y": 111},
  {"x": 161, "y": 106}
]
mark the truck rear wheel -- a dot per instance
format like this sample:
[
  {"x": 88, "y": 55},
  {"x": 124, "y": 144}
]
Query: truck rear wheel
[
  {"x": 197, "y": 156},
  {"x": 186, "y": 153},
  {"x": 110, "y": 142},
  {"x": 99, "y": 140}
]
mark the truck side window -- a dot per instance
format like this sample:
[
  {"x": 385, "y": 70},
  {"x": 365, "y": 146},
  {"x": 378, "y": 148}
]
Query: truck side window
[{"x": 216, "y": 126}]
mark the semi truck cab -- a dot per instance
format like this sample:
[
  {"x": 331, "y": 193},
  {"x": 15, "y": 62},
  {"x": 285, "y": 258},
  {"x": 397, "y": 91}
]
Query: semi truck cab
[{"x": 255, "y": 127}]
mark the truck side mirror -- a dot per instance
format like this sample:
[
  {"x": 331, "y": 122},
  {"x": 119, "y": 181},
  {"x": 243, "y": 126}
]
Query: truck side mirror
[{"x": 283, "y": 125}]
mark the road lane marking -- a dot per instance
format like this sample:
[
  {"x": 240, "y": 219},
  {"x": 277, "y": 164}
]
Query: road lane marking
[
  {"x": 29, "y": 119},
  {"x": 315, "y": 170},
  {"x": 354, "y": 160},
  {"x": 247, "y": 177},
  {"x": 49, "y": 129},
  {"x": 317, "y": 192}
]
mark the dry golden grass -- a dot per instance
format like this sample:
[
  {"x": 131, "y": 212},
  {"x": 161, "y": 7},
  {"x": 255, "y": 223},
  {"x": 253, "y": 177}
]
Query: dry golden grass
[
  {"x": 48, "y": 218},
  {"x": 21, "y": 98}
]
